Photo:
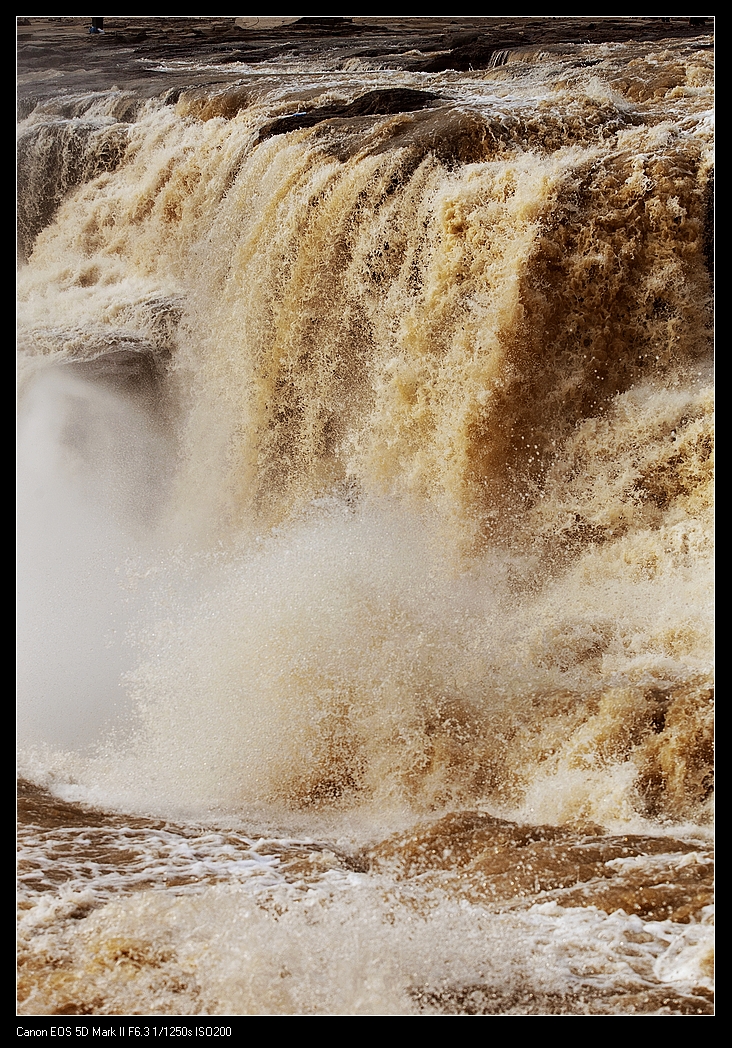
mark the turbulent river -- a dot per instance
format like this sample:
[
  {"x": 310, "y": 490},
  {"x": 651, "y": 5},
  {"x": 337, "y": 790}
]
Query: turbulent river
[{"x": 365, "y": 498}]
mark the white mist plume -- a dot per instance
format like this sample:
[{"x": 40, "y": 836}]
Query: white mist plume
[{"x": 86, "y": 460}]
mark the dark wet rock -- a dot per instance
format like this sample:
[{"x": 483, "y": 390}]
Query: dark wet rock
[
  {"x": 326, "y": 25},
  {"x": 134, "y": 52},
  {"x": 137, "y": 370},
  {"x": 373, "y": 103},
  {"x": 478, "y": 53}
]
